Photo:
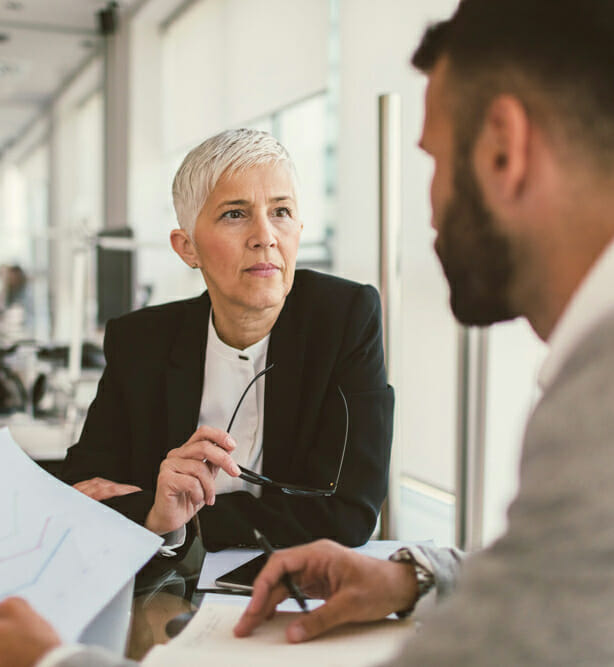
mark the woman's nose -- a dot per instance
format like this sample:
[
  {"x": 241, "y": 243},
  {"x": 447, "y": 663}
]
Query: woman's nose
[{"x": 262, "y": 233}]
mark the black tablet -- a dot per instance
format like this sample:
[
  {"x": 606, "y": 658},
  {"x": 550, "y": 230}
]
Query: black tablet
[{"x": 242, "y": 577}]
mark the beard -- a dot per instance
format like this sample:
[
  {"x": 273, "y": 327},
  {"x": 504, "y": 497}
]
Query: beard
[{"x": 476, "y": 258}]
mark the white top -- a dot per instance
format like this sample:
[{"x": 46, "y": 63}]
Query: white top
[
  {"x": 592, "y": 301},
  {"x": 228, "y": 371}
]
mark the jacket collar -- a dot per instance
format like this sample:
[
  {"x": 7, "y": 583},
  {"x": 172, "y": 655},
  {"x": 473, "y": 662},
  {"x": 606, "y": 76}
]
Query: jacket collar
[
  {"x": 185, "y": 371},
  {"x": 283, "y": 389}
]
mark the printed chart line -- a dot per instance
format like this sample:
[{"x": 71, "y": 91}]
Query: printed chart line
[
  {"x": 38, "y": 575},
  {"x": 31, "y": 549}
]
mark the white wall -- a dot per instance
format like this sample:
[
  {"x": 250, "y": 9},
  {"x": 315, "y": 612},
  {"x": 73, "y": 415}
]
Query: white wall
[
  {"x": 219, "y": 64},
  {"x": 515, "y": 354},
  {"x": 376, "y": 44},
  {"x": 75, "y": 198},
  {"x": 234, "y": 61}
]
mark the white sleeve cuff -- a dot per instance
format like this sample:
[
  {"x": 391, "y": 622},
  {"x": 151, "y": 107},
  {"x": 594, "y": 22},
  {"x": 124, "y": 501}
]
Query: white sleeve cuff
[
  {"x": 59, "y": 653},
  {"x": 172, "y": 541}
]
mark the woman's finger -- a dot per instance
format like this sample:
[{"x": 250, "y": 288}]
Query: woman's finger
[
  {"x": 99, "y": 488},
  {"x": 209, "y": 452},
  {"x": 216, "y": 435},
  {"x": 197, "y": 470}
]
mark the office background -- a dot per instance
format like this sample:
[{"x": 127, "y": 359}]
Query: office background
[{"x": 93, "y": 126}]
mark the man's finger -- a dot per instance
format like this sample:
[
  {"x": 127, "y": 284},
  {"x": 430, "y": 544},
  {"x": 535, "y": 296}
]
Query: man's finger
[
  {"x": 250, "y": 619},
  {"x": 337, "y": 611}
]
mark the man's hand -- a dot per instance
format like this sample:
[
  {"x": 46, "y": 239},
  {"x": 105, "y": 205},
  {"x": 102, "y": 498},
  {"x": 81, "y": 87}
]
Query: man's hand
[
  {"x": 187, "y": 478},
  {"x": 25, "y": 636},
  {"x": 357, "y": 588},
  {"x": 99, "y": 488}
]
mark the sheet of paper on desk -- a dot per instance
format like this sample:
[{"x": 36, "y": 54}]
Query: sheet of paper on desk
[
  {"x": 209, "y": 637},
  {"x": 217, "y": 563},
  {"x": 66, "y": 554}
]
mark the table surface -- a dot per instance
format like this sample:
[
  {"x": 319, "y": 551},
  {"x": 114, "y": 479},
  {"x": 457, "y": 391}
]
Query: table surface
[{"x": 164, "y": 589}]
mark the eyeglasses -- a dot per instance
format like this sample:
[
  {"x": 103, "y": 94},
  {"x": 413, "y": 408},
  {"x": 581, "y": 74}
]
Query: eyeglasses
[{"x": 291, "y": 489}]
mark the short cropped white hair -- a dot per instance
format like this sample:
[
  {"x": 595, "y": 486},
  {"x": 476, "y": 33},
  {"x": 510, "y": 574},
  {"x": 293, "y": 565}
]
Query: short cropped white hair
[{"x": 227, "y": 152}]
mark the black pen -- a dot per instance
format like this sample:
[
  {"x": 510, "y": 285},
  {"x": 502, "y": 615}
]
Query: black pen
[{"x": 295, "y": 591}]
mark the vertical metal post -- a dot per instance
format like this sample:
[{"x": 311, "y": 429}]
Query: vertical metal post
[
  {"x": 471, "y": 436},
  {"x": 116, "y": 121},
  {"x": 389, "y": 111}
]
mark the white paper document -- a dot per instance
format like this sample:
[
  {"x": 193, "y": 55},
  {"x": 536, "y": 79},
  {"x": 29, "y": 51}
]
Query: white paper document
[
  {"x": 65, "y": 553},
  {"x": 289, "y": 604},
  {"x": 209, "y": 639},
  {"x": 219, "y": 562}
]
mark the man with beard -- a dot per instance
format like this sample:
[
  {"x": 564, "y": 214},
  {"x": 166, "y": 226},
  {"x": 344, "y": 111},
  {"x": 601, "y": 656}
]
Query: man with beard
[{"x": 520, "y": 124}]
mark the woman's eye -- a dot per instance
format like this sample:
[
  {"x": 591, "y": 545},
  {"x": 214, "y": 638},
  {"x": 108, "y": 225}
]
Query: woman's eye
[
  {"x": 235, "y": 214},
  {"x": 282, "y": 212}
]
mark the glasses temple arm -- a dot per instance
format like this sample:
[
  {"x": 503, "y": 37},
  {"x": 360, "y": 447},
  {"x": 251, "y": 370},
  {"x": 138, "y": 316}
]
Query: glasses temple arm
[
  {"x": 234, "y": 414},
  {"x": 347, "y": 428}
]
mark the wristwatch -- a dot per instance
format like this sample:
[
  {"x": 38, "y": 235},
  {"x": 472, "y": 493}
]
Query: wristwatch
[{"x": 424, "y": 576}]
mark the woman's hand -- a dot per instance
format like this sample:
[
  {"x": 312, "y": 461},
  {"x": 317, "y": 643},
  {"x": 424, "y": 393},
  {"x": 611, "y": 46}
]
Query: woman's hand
[
  {"x": 25, "y": 637},
  {"x": 357, "y": 588},
  {"x": 99, "y": 488},
  {"x": 187, "y": 478}
]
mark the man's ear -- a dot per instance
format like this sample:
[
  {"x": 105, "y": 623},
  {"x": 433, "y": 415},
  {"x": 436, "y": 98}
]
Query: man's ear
[
  {"x": 184, "y": 247},
  {"x": 501, "y": 155}
]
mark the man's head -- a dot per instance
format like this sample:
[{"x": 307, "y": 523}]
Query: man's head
[{"x": 519, "y": 93}]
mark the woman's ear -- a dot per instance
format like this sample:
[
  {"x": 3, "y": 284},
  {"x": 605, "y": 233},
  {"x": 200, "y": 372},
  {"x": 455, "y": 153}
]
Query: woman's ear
[{"x": 184, "y": 247}]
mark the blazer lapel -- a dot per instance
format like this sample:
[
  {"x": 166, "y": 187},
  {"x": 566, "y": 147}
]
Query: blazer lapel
[
  {"x": 184, "y": 380},
  {"x": 282, "y": 390}
]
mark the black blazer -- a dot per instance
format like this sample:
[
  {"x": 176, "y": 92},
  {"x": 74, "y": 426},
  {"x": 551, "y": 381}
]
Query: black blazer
[{"x": 148, "y": 401}]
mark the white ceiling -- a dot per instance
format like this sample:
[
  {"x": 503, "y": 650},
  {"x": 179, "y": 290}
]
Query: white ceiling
[{"x": 45, "y": 42}]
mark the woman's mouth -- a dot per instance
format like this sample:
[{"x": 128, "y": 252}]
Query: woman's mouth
[{"x": 262, "y": 270}]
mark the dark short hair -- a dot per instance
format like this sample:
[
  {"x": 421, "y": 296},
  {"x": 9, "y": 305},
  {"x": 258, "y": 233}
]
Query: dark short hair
[
  {"x": 556, "y": 56},
  {"x": 432, "y": 46}
]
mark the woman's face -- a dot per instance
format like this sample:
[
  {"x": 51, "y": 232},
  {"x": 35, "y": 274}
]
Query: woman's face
[{"x": 246, "y": 238}]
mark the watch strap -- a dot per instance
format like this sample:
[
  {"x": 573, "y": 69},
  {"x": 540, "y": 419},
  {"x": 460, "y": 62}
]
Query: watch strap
[{"x": 424, "y": 576}]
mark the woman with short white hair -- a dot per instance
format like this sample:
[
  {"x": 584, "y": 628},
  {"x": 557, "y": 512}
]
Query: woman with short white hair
[{"x": 261, "y": 403}]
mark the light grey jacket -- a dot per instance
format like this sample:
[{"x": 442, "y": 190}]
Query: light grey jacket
[
  {"x": 96, "y": 657},
  {"x": 543, "y": 594}
]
